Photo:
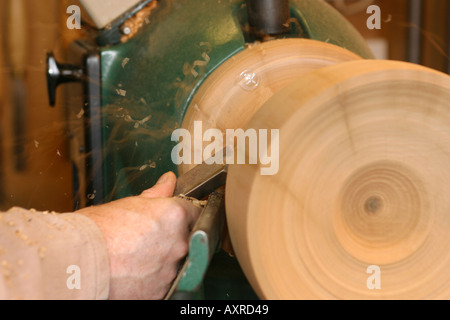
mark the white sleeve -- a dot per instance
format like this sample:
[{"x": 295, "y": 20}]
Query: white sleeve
[{"x": 52, "y": 256}]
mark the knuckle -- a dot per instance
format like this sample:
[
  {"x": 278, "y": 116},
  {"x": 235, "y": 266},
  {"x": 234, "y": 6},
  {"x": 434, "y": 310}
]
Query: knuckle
[{"x": 178, "y": 213}]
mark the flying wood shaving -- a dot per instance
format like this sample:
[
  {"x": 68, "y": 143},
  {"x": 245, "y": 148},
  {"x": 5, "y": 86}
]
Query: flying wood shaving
[
  {"x": 80, "y": 114},
  {"x": 150, "y": 165},
  {"x": 125, "y": 61},
  {"x": 201, "y": 63},
  {"x": 137, "y": 123},
  {"x": 141, "y": 122},
  {"x": 121, "y": 92}
]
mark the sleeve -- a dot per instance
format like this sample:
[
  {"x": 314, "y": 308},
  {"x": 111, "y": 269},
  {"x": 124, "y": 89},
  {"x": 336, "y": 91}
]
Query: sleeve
[{"x": 49, "y": 256}]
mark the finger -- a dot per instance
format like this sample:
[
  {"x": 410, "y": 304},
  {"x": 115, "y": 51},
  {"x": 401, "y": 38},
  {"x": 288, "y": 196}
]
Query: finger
[
  {"x": 192, "y": 211},
  {"x": 163, "y": 188}
]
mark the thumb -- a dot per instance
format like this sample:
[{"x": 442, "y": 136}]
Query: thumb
[{"x": 163, "y": 188}]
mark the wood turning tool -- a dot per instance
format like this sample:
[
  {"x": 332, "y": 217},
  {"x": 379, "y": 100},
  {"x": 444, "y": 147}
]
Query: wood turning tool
[{"x": 203, "y": 181}]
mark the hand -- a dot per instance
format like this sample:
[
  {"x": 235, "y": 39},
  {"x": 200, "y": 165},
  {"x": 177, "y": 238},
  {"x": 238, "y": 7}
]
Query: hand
[{"x": 146, "y": 236}]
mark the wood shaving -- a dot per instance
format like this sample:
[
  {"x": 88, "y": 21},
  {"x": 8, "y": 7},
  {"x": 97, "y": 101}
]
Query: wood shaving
[
  {"x": 195, "y": 202},
  {"x": 125, "y": 61},
  {"x": 137, "y": 123},
  {"x": 141, "y": 122},
  {"x": 80, "y": 114},
  {"x": 20, "y": 235},
  {"x": 7, "y": 270},
  {"x": 150, "y": 165},
  {"x": 187, "y": 68},
  {"x": 121, "y": 92}
]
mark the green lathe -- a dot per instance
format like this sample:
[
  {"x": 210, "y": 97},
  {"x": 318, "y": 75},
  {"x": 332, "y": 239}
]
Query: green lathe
[{"x": 130, "y": 83}]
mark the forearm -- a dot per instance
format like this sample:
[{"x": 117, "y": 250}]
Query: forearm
[{"x": 45, "y": 256}]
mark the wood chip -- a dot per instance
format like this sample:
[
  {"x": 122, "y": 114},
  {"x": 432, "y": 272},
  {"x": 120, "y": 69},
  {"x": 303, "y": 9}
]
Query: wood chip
[{"x": 196, "y": 202}]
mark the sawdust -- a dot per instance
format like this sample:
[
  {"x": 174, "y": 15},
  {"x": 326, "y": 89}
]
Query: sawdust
[
  {"x": 20, "y": 235},
  {"x": 7, "y": 270}
]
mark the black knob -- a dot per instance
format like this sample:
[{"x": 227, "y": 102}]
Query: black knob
[{"x": 58, "y": 73}]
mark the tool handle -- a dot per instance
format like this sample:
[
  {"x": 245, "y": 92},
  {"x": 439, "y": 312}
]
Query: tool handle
[{"x": 58, "y": 73}]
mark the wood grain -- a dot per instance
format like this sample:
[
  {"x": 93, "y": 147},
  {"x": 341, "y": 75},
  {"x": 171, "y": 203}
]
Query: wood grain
[{"x": 363, "y": 181}]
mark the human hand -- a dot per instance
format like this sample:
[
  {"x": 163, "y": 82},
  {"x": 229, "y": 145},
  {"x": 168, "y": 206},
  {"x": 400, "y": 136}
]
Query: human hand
[{"x": 146, "y": 237}]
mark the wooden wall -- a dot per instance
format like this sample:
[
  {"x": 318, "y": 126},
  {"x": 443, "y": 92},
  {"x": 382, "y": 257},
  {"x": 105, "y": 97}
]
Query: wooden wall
[
  {"x": 434, "y": 29},
  {"x": 44, "y": 182}
]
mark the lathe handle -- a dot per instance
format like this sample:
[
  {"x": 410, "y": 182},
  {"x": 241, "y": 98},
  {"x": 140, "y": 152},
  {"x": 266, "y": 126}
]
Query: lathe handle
[{"x": 58, "y": 73}]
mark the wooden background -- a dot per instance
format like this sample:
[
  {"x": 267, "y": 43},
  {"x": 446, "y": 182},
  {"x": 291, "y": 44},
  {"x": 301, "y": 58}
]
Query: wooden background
[{"x": 45, "y": 182}]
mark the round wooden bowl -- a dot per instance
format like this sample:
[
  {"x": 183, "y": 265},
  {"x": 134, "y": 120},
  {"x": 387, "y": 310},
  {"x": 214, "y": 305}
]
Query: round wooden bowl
[
  {"x": 238, "y": 88},
  {"x": 360, "y": 206}
]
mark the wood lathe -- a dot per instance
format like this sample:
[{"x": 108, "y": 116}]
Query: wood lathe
[{"x": 363, "y": 167}]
